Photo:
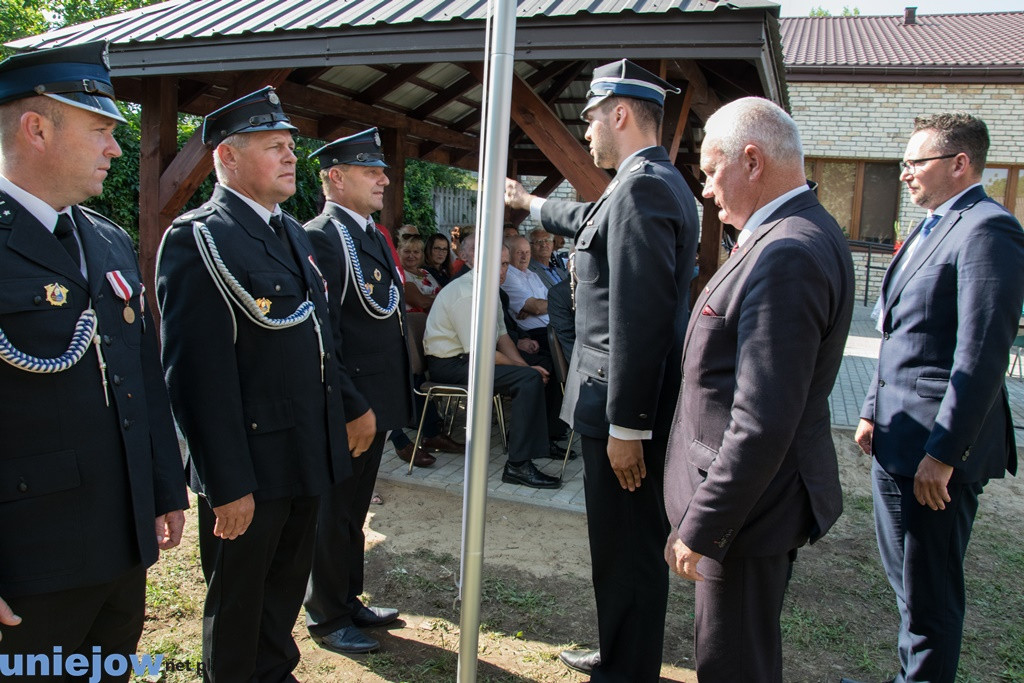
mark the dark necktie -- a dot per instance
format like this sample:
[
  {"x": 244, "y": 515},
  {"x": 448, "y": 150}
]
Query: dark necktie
[
  {"x": 65, "y": 234},
  {"x": 277, "y": 223}
]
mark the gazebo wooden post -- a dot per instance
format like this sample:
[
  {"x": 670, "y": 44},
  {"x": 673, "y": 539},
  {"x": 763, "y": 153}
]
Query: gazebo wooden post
[
  {"x": 393, "y": 142},
  {"x": 157, "y": 147}
]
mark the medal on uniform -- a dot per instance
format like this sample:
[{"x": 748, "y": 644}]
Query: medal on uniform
[
  {"x": 376, "y": 274},
  {"x": 264, "y": 305},
  {"x": 124, "y": 292},
  {"x": 368, "y": 288},
  {"x": 56, "y": 294}
]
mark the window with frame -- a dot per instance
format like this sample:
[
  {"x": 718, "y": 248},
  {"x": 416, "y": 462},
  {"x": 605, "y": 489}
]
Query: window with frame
[{"x": 863, "y": 196}]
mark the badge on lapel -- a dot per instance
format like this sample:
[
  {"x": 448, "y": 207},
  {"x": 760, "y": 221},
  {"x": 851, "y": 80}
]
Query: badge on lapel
[{"x": 264, "y": 305}]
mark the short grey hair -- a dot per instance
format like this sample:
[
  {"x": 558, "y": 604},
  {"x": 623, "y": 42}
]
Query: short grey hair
[
  {"x": 238, "y": 141},
  {"x": 757, "y": 121}
]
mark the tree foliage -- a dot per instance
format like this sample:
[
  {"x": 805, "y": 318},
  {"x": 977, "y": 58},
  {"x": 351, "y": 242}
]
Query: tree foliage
[
  {"x": 24, "y": 18},
  {"x": 421, "y": 177},
  {"x": 820, "y": 11}
]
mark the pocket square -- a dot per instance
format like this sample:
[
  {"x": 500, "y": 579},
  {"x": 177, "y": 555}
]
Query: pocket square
[{"x": 707, "y": 310}]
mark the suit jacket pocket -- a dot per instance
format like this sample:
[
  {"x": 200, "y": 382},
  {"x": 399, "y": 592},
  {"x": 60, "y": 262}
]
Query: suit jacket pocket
[
  {"x": 272, "y": 416},
  {"x": 585, "y": 263},
  {"x": 711, "y": 322},
  {"x": 592, "y": 362},
  {"x": 367, "y": 365},
  {"x": 40, "y": 517},
  {"x": 931, "y": 387},
  {"x": 701, "y": 456}
]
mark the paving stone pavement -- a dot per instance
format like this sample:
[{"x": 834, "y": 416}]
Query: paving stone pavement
[{"x": 855, "y": 374}]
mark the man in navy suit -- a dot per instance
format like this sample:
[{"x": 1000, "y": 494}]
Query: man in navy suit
[
  {"x": 937, "y": 418},
  {"x": 751, "y": 473}
]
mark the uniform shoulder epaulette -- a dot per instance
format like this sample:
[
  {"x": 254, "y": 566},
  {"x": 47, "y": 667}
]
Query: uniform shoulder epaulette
[
  {"x": 6, "y": 213},
  {"x": 98, "y": 218},
  {"x": 195, "y": 214},
  {"x": 638, "y": 165}
]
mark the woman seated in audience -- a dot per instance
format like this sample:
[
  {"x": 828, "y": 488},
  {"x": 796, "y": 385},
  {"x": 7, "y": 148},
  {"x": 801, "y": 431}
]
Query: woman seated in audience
[
  {"x": 437, "y": 258},
  {"x": 420, "y": 286}
]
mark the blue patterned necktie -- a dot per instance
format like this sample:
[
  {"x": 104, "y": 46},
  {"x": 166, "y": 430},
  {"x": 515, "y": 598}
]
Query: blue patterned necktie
[{"x": 929, "y": 223}]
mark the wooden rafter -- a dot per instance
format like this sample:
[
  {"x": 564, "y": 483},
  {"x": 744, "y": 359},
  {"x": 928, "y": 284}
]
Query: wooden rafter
[{"x": 383, "y": 86}]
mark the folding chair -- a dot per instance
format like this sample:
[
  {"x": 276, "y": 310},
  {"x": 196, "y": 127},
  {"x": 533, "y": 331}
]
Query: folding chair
[
  {"x": 416, "y": 324},
  {"x": 561, "y": 373},
  {"x": 1018, "y": 342}
]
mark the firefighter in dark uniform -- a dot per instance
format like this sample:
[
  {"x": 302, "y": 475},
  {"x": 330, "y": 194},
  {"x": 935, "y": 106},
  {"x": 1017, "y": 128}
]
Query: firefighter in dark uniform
[
  {"x": 254, "y": 383},
  {"x": 91, "y": 479},
  {"x": 366, "y": 315}
]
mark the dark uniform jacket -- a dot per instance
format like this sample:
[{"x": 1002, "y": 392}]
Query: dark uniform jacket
[
  {"x": 635, "y": 250},
  {"x": 949, "y": 318},
  {"x": 374, "y": 350},
  {"x": 255, "y": 412},
  {"x": 81, "y": 483},
  {"x": 751, "y": 464}
]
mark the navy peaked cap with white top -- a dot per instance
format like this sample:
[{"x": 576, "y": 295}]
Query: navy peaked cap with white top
[
  {"x": 625, "y": 79},
  {"x": 361, "y": 149},
  {"x": 77, "y": 75},
  {"x": 257, "y": 111}
]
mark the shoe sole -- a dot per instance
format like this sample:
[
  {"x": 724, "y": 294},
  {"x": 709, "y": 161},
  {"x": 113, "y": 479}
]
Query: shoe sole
[
  {"x": 576, "y": 668},
  {"x": 375, "y": 624},
  {"x": 512, "y": 480},
  {"x": 353, "y": 651}
]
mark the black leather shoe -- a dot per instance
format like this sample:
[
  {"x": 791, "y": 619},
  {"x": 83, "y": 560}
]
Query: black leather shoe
[
  {"x": 583, "y": 661},
  {"x": 527, "y": 474},
  {"x": 347, "y": 641},
  {"x": 556, "y": 450},
  {"x": 368, "y": 617}
]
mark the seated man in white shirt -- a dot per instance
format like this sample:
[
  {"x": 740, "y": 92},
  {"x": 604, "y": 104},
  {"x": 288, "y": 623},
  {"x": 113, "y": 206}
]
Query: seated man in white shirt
[
  {"x": 527, "y": 294},
  {"x": 446, "y": 342}
]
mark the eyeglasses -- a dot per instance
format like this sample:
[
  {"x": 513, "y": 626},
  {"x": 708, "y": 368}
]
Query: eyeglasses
[{"x": 910, "y": 165}]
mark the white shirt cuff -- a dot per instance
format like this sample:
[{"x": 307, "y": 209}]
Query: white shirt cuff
[
  {"x": 535, "y": 205},
  {"x": 627, "y": 434}
]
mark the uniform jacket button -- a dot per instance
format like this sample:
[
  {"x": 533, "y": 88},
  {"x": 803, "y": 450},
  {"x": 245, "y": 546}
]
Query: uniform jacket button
[
  {"x": 126, "y": 423},
  {"x": 881, "y": 382},
  {"x": 329, "y": 389},
  {"x": 277, "y": 288},
  {"x": 37, "y": 299},
  {"x": 117, "y": 380},
  {"x": 107, "y": 340},
  {"x": 643, "y": 416},
  {"x": 22, "y": 487},
  {"x": 254, "y": 426}
]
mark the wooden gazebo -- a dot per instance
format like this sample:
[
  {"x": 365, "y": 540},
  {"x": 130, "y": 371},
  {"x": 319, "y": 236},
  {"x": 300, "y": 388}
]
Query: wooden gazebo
[{"x": 413, "y": 68}]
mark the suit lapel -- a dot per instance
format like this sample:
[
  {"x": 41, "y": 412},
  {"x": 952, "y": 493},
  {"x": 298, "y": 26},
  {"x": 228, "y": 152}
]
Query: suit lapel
[
  {"x": 34, "y": 241},
  {"x": 924, "y": 250},
  {"x": 97, "y": 251},
  {"x": 800, "y": 202}
]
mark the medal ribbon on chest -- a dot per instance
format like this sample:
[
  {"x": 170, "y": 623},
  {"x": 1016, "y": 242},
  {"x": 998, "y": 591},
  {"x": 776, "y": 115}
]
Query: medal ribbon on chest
[{"x": 124, "y": 291}]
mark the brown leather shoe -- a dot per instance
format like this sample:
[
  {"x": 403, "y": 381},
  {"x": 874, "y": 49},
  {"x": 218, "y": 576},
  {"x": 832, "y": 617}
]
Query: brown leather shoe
[
  {"x": 443, "y": 443},
  {"x": 423, "y": 459}
]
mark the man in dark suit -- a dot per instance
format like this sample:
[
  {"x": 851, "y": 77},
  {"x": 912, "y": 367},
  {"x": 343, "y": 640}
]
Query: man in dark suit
[
  {"x": 248, "y": 354},
  {"x": 752, "y": 473},
  {"x": 366, "y": 305},
  {"x": 937, "y": 417},
  {"x": 542, "y": 244},
  {"x": 635, "y": 248},
  {"x": 91, "y": 475}
]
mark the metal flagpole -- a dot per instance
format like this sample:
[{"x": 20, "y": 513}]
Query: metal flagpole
[{"x": 496, "y": 107}]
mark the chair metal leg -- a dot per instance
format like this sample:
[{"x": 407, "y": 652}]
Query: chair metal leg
[
  {"x": 419, "y": 434},
  {"x": 568, "y": 450},
  {"x": 1017, "y": 364},
  {"x": 499, "y": 411}
]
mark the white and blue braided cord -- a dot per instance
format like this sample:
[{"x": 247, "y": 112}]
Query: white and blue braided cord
[
  {"x": 85, "y": 330},
  {"x": 356, "y": 270},
  {"x": 233, "y": 291},
  {"x": 231, "y": 287}
]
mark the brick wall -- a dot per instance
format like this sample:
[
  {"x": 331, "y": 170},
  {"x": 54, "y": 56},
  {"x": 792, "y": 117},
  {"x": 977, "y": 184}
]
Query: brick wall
[
  {"x": 873, "y": 120},
  {"x": 878, "y": 261}
]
